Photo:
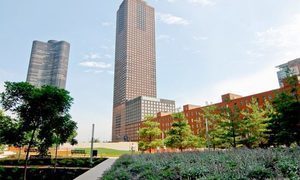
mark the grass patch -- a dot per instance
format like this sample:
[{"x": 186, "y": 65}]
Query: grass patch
[
  {"x": 104, "y": 152},
  {"x": 273, "y": 163}
]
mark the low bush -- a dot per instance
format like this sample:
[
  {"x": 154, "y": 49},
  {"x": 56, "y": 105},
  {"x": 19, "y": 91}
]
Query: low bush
[
  {"x": 38, "y": 174},
  {"x": 9, "y": 168},
  {"x": 273, "y": 163},
  {"x": 66, "y": 162}
]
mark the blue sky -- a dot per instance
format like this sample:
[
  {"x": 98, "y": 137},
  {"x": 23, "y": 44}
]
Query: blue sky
[{"x": 205, "y": 48}]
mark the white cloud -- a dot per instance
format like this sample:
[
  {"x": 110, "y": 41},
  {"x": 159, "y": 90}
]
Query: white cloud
[
  {"x": 172, "y": 19},
  {"x": 108, "y": 56},
  {"x": 197, "y": 2},
  {"x": 283, "y": 39},
  {"x": 106, "y": 24},
  {"x": 202, "y": 2},
  {"x": 92, "y": 56},
  {"x": 164, "y": 37},
  {"x": 95, "y": 64}
]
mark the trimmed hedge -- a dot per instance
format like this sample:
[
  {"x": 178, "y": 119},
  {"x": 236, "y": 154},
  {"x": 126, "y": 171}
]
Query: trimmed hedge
[
  {"x": 61, "y": 162},
  {"x": 274, "y": 163},
  {"x": 39, "y": 174},
  {"x": 16, "y": 173}
]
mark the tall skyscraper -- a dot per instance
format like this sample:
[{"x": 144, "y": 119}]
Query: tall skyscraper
[
  {"x": 135, "y": 59},
  {"x": 291, "y": 67},
  {"x": 49, "y": 63}
]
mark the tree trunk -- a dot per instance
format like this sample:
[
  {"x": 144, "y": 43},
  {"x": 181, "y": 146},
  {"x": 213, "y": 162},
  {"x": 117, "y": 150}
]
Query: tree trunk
[
  {"x": 55, "y": 159},
  {"x": 19, "y": 155},
  {"x": 27, "y": 154},
  {"x": 233, "y": 133}
]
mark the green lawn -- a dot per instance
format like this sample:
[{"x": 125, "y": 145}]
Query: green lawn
[{"x": 104, "y": 152}]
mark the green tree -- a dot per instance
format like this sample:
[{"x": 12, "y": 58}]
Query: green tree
[
  {"x": 149, "y": 135},
  {"x": 254, "y": 124},
  {"x": 11, "y": 133},
  {"x": 229, "y": 126},
  {"x": 285, "y": 123},
  {"x": 180, "y": 135},
  {"x": 39, "y": 111},
  {"x": 213, "y": 118}
]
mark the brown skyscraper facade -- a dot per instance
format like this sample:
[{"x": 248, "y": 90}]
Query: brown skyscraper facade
[{"x": 135, "y": 59}]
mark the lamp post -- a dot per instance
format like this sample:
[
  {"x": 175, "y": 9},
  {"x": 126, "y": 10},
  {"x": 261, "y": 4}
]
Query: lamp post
[
  {"x": 92, "y": 144},
  {"x": 207, "y": 136}
]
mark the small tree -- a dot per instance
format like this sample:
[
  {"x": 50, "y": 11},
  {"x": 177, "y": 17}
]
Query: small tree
[
  {"x": 149, "y": 135},
  {"x": 285, "y": 123},
  {"x": 38, "y": 111},
  {"x": 254, "y": 124},
  {"x": 213, "y": 118},
  {"x": 180, "y": 135},
  {"x": 229, "y": 126}
]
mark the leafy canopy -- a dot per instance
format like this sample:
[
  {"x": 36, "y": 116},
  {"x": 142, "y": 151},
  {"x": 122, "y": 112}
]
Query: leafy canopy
[
  {"x": 180, "y": 135},
  {"x": 149, "y": 135}
]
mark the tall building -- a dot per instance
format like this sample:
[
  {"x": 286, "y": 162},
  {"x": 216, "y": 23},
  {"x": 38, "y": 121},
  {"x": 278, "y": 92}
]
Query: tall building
[
  {"x": 292, "y": 67},
  {"x": 48, "y": 63},
  {"x": 135, "y": 61}
]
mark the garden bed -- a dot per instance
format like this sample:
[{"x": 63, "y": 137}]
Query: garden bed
[
  {"x": 69, "y": 168},
  {"x": 234, "y": 164}
]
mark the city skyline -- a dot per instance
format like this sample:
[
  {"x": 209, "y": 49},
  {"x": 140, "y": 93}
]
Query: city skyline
[{"x": 203, "y": 49}]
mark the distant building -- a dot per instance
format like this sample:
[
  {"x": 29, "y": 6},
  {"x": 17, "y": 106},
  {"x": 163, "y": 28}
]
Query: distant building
[
  {"x": 292, "y": 67},
  {"x": 135, "y": 68},
  {"x": 49, "y": 63},
  {"x": 137, "y": 109},
  {"x": 194, "y": 114}
]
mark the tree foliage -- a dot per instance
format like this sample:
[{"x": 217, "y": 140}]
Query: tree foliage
[
  {"x": 180, "y": 135},
  {"x": 285, "y": 124},
  {"x": 149, "y": 135},
  {"x": 43, "y": 113},
  {"x": 254, "y": 124},
  {"x": 229, "y": 126},
  {"x": 213, "y": 117}
]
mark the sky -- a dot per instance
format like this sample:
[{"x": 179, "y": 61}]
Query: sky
[{"x": 205, "y": 48}]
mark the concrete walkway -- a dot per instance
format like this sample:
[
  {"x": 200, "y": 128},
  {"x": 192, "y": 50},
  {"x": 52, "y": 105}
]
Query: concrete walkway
[
  {"x": 97, "y": 172},
  {"x": 6, "y": 153}
]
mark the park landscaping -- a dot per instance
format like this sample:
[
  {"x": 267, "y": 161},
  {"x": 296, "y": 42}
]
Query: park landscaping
[
  {"x": 66, "y": 168},
  {"x": 273, "y": 163},
  {"x": 105, "y": 152}
]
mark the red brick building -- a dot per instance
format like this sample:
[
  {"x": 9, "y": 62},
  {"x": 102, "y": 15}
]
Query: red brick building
[{"x": 194, "y": 114}]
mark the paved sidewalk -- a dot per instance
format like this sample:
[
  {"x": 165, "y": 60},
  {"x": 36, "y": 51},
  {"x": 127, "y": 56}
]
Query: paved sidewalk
[
  {"x": 97, "y": 172},
  {"x": 6, "y": 153}
]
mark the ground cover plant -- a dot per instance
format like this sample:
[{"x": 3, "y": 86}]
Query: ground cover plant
[
  {"x": 273, "y": 163},
  {"x": 67, "y": 168}
]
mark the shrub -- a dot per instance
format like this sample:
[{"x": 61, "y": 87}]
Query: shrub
[{"x": 230, "y": 164}]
